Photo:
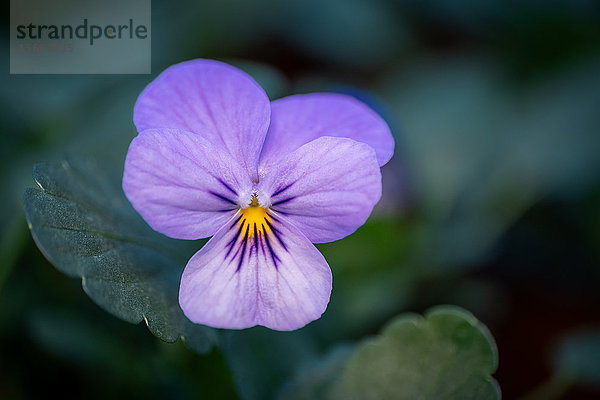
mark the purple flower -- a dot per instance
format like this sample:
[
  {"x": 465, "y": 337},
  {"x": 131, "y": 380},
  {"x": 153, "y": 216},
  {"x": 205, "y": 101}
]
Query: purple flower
[{"x": 265, "y": 179}]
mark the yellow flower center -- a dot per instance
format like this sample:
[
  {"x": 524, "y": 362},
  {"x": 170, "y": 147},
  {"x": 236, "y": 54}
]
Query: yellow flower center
[{"x": 254, "y": 219}]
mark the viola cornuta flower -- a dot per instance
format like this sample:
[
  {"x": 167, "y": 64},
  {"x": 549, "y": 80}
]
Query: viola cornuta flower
[{"x": 214, "y": 157}]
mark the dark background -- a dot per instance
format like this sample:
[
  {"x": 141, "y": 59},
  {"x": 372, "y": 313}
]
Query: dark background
[{"x": 491, "y": 202}]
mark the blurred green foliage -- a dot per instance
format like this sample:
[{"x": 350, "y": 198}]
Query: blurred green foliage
[
  {"x": 492, "y": 201},
  {"x": 446, "y": 355}
]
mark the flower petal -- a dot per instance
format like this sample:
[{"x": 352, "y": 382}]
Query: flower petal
[
  {"x": 182, "y": 185},
  {"x": 327, "y": 188},
  {"x": 299, "y": 119},
  {"x": 213, "y": 99},
  {"x": 245, "y": 275}
]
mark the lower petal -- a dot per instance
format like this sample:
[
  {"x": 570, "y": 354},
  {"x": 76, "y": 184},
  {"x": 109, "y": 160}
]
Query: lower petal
[{"x": 256, "y": 274}]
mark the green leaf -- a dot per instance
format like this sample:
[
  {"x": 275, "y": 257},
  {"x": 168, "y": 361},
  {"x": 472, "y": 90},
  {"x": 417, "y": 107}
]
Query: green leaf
[
  {"x": 86, "y": 228},
  {"x": 448, "y": 354}
]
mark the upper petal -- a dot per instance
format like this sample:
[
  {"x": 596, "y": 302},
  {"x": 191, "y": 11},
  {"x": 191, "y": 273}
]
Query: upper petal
[
  {"x": 299, "y": 119},
  {"x": 247, "y": 275},
  {"x": 327, "y": 188},
  {"x": 182, "y": 185},
  {"x": 213, "y": 99}
]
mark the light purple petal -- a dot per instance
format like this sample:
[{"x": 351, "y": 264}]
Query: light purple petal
[
  {"x": 215, "y": 100},
  {"x": 240, "y": 278},
  {"x": 182, "y": 185},
  {"x": 327, "y": 188},
  {"x": 299, "y": 119}
]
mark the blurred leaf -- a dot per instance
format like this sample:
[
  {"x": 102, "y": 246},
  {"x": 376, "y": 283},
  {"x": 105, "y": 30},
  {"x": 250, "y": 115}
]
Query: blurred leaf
[
  {"x": 76, "y": 337},
  {"x": 261, "y": 359},
  {"x": 86, "y": 228},
  {"x": 374, "y": 276},
  {"x": 12, "y": 241},
  {"x": 575, "y": 361},
  {"x": 314, "y": 377},
  {"x": 358, "y": 33},
  {"x": 482, "y": 150},
  {"x": 448, "y": 354},
  {"x": 578, "y": 357}
]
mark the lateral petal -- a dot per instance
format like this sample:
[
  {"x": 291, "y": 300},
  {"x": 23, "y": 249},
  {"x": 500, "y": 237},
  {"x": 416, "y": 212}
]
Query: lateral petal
[
  {"x": 327, "y": 188},
  {"x": 183, "y": 186}
]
